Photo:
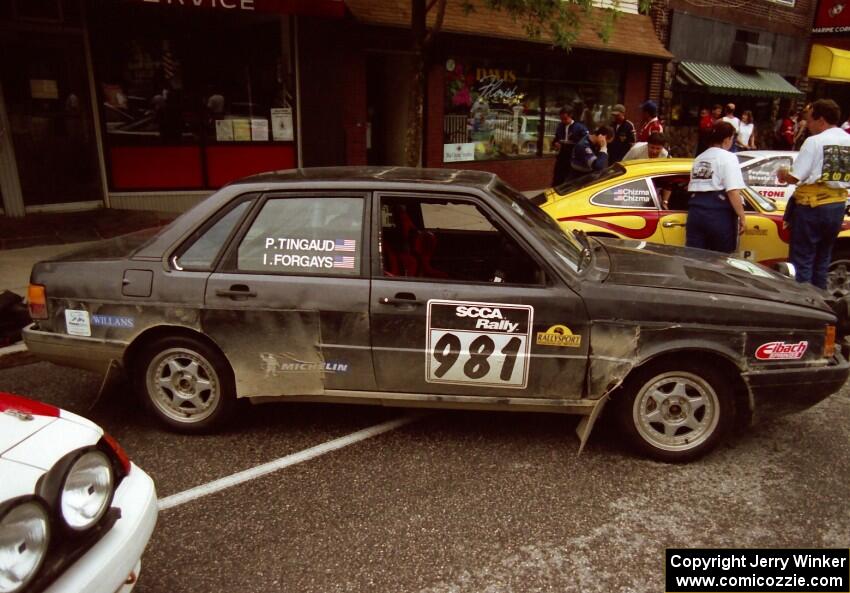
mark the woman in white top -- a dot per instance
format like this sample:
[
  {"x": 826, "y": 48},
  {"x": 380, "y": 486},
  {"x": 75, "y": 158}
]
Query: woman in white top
[
  {"x": 746, "y": 139},
  {"x": 715, "y": 208}
]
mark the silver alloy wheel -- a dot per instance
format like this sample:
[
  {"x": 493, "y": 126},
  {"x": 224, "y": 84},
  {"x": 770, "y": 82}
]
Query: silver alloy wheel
[
  {"x": 183, "y": 385},
  {"x": 676, "y": 411},
  {"x": 838, "y": 278}
]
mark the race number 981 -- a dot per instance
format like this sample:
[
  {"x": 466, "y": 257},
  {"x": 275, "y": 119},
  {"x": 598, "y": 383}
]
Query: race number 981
[{"x": 478, "y": 343}]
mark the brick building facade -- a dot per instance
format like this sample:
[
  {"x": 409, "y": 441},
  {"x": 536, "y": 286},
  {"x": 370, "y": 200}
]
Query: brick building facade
[{"x": 757, "y": 39}]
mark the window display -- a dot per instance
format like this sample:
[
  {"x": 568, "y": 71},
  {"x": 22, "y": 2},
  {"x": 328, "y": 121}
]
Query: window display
[
  {"x": 492, "y": 111},
  {"x": 493, "y": 107},
  {"x": 195, "y": 82}
]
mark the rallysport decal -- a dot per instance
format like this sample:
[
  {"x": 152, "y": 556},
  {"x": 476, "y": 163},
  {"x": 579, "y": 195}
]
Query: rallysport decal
[
  {"x": 558, "y": 335},
  {"x": 782, "y": 351},
  {"x": 478, "y": 343}
]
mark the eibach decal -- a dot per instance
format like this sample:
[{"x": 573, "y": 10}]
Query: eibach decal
[{"x": 782, "y": 351}]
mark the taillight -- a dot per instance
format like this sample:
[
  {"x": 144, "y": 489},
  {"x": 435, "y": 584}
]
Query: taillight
[
  {"x": 37, "y": 301},
  {"x": 829, "y": 342},
  {"x": 122, "y": 456}
]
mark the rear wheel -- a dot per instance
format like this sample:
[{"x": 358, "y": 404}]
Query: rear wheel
[
  {"x": 675, "y": 411},
  {"x": 838, "y": 278},
  {"x": 186, "y": 383}
]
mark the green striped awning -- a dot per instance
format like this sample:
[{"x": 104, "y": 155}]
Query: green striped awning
[{"x": 721, "y": 79}]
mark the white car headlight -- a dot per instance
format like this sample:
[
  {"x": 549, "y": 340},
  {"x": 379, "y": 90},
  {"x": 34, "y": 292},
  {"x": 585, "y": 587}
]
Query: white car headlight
[
  {"x": 24, "y": 538},
  {"x": 87, "y": 490}
]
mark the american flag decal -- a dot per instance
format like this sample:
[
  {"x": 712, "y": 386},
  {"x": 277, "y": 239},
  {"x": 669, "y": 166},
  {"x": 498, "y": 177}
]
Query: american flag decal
[
  {"x": 345, "y": 245},
  {"x": 345, "y": 262}
]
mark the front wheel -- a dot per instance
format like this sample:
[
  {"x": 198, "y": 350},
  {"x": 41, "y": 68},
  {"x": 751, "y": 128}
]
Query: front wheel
[
  {"x": 675, "y": 412},
  {"x": 838, "y": 277},
  {"x": 185, "y": 383}
]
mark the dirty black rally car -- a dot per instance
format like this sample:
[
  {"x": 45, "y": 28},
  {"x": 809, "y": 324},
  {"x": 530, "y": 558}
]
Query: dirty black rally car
[{"x": 432, "y": 288}]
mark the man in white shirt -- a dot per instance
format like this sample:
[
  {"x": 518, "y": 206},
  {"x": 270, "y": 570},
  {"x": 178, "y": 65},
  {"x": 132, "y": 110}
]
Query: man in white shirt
[
  {"x": 653, "y": 149},
  {"x": 816, "y": 211}
]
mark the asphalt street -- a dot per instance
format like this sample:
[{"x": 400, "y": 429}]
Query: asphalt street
[{"x": 458, "y": 502}]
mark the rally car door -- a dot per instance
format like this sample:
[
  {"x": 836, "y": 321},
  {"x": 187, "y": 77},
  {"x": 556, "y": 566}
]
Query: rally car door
[
  {"x": 288, "y": 304},
  {"x": 674, "y": 217},
  {"x": 460, "y": 305}
]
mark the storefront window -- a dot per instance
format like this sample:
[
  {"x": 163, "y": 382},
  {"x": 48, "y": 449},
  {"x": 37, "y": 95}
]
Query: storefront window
[
  {"x": 178, "y": 78},
  {"x": 492, "y": 111},
  {"x": 493, "y": 107},
  {"x": 590, "y": 93}
]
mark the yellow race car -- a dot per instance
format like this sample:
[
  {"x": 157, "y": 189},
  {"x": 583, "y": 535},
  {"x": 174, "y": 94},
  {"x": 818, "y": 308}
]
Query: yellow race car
[{"x": 627, "y": 201}]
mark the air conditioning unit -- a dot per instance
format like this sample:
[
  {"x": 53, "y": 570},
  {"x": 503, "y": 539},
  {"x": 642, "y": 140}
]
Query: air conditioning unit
[{"x": 751, "y": 55}]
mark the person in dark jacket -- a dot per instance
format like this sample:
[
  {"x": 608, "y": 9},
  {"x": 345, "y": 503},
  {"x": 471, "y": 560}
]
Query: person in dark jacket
[
  {"x": 591, "y": 152},
  {"x": 624, "y": 134},
  {"x": 567, "y": 134}
]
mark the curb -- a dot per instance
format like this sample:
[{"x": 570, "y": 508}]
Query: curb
[
  {"x": 16, "y": 355},
  {"x": 13, "y": 349}
]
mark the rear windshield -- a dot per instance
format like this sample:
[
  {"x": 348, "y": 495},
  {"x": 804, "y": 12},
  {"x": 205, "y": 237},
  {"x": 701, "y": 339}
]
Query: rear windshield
[{"x": 572, "y": 185}]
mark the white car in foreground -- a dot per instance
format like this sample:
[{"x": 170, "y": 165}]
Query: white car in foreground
[{"x": 75, "y": 512}]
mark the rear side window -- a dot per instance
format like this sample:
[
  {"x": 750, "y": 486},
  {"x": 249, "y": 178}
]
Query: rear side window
[
  {"x": 634, "y": 194},
  {"x": 202, "y": 253},
  {"x": 305, "y": 236},
  {"x": 764, "y": 173}
]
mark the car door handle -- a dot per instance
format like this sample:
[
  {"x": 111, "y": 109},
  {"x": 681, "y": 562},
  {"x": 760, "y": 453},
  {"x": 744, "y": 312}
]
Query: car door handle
[
  {"x": 400, "y": 300},
  {"x": 668, "y": 224},
  {"x": 236, "y": 291}
]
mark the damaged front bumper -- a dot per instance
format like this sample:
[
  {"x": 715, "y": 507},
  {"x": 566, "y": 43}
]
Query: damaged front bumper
[{"x": 785, "y": 391}]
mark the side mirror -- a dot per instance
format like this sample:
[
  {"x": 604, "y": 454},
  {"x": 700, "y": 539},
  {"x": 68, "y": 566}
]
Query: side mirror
[{"x": 786, "y": 269}]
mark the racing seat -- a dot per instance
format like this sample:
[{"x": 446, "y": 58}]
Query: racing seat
[
  {"x": 417, "y": 247},
  {"x": 398, "y": 261}
]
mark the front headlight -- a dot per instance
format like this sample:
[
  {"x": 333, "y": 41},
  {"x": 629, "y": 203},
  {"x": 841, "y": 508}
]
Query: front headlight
[
  {"x": 87, "y": 490},
  {"x": 24, "y": 538}
]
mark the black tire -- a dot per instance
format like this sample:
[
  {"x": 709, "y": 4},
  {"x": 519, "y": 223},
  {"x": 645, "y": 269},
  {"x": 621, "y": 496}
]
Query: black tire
[
  {"x": 185, "y": 383},
  {"x": 675, "y": 411},
  {"x": 838, "y": 277}
]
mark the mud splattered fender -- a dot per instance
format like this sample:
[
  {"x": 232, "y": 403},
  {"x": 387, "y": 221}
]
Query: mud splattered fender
[{"x": 619, "y": 347}]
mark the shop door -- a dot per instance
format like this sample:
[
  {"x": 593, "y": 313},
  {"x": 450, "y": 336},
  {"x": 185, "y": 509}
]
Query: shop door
[{"x": 50, "y": 121}]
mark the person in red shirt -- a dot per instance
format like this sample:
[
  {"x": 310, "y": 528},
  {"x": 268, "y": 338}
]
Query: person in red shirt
[
  {"x": 706, "y": 124},
  {"x": 651, "y": 124},
  {"x": 785, "y": 134}
]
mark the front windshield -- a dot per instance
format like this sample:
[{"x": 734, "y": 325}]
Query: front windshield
[
  {"x": 572, "y": 185},
  {"x": 562, "y": 244},
  {"x": 761, "y": 202}
]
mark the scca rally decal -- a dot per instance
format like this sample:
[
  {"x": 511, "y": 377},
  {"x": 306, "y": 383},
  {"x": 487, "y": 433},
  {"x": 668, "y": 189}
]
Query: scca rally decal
[
  {"x": 781, "y": 351},
  {"x": 478, "y": 343}
]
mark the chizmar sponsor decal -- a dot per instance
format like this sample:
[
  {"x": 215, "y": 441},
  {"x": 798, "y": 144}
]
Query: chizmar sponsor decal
[
  {"x": 559, "y": 335},
  {"x": 782, "y": 351}
]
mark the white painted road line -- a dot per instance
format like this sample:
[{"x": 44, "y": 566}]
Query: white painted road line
[{"x": 272, "y": 466}]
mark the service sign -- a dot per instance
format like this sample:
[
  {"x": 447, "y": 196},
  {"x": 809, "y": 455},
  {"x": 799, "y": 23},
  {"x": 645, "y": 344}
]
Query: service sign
[
  {"x": 478, "y": 343},
  {"x": 323, "y": 8}
]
